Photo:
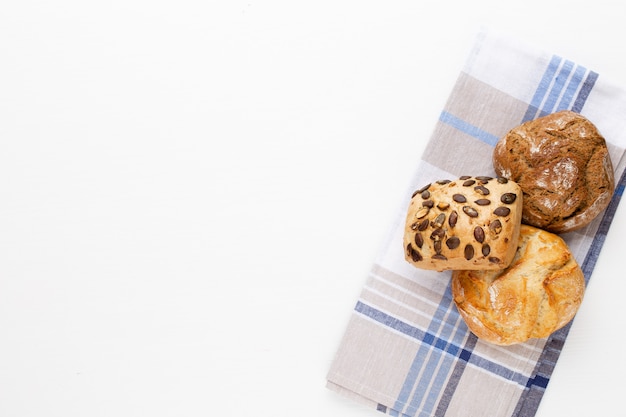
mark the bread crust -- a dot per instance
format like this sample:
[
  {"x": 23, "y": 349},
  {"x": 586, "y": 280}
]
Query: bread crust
[
  {"x": 563, "y": 166},
  {"x": 468, "y": 223},
  {"x": 537, "y": 294}
]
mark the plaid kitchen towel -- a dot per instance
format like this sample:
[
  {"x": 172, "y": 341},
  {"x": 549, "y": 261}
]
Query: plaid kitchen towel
[{"x": 406, "y": 350}]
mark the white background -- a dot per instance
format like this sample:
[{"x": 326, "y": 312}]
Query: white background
[{"x": 192, "y": 193}]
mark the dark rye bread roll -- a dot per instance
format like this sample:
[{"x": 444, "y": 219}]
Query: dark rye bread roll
[
  {"x": 469, "y": 223},
  {"x": 537, "y": 294},
  {"x": 562, "y": 164}
]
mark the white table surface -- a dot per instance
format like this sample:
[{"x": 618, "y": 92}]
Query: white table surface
[{"x": 192, "y": 193}]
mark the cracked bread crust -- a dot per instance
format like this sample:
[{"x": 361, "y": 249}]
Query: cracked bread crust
[
  {"x": 562, "y": 164},
  {"x": 537, "y": 294}
]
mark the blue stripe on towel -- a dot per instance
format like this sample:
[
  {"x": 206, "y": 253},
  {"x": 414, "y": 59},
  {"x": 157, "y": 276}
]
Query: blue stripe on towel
[
  {"x": 542, "y": 88},
  {"x": 557, "y": 87},
  {"x": 584, "y": 92},
  {"x": 467, "y": 128},
  {"x": 571, "y": 88},
  {"x": 554, "y": 84}
]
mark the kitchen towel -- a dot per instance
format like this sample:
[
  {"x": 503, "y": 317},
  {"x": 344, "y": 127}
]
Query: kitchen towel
[{"x": 406, "y": 351}]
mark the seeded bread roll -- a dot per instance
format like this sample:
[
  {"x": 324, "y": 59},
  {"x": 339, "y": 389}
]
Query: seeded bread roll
[
  {"x": 563, "y": 166},
  {"x": 470, "y": 223},
  {"x": 539, "y": 293}
]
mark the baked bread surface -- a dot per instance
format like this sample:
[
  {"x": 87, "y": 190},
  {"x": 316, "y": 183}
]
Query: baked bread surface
[
  {"x": 563, "y": 166},
  {"x": 539, "y": 293},
  {"x": 468, "y": 223}
]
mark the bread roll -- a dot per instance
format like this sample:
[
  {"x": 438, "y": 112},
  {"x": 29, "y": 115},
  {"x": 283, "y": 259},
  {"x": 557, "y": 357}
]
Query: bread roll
[
  {"x": 470, "y": 223},
  {"x": 563, "y": 166},
  {"x": 536, "y": 295}
]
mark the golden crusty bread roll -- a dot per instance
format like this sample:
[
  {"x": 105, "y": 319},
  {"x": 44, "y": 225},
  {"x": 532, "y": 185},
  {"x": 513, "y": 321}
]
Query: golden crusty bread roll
[
  {"x": 469, "y": 223},
  {"x": 537, "y": 294}
]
